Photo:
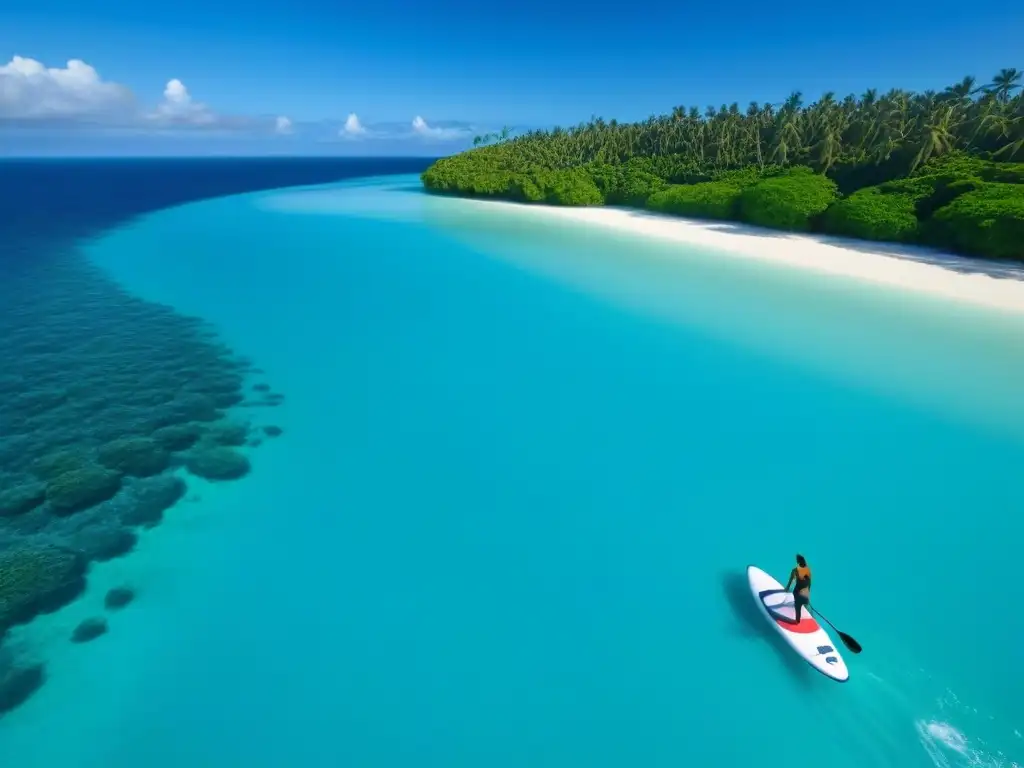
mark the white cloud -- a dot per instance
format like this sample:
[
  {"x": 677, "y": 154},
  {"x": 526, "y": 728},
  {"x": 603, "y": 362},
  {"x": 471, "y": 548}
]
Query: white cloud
[
  {"x": 178, "y": 108},
  {"x": 31, "y": 91},
  {"x": 421, "y": 128},
  {"x": 77, "y": 96},
  {"x": 352, "y": 126}
]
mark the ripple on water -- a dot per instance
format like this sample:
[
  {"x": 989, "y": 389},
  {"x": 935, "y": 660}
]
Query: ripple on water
[{"x": 947, "y": 746}]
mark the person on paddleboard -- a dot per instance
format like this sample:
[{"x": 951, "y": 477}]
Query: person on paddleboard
[{"x": 800, "y": 580}]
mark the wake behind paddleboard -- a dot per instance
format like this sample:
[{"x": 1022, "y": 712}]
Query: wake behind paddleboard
[{"x": 807, "y": 638}]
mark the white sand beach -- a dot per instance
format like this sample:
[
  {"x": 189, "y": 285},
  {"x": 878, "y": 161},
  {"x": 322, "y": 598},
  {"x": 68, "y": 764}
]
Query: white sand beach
[{"x": 983, "y": 283}]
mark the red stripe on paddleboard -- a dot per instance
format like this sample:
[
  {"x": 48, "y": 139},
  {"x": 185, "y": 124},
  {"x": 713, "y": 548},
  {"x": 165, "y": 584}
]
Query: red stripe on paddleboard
[{"x": 805, "y": 627}]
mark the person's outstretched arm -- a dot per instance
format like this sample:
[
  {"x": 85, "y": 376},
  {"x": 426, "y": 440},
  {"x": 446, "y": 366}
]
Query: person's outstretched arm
[{"x": 792, "y": 578}]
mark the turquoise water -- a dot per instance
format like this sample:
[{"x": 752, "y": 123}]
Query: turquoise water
[{"x": 523, "y": 468}]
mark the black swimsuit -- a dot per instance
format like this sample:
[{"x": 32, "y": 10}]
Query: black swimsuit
[{"x": 801, "y": 584}]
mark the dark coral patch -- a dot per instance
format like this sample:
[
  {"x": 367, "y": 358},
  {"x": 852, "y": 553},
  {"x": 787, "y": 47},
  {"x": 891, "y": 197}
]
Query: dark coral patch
[
  {"x": 37, "y": 579},
  {"x": 118, "y": 597},
  {"x": 188, "y": 406},
  {"x": 138, "y": 456},
  {"x": 18, "y": 682},
  {"x": 82, "y": 488},
  {"x": 145, "y": 501},
  {"x": 52, "y": 465},
  {"x": 230, "y": 433},
  {"x": 178, "y": 437},
  {"x": 88, "y": 630},
  {"x": 22, "y": 497},
  {"x": 217, "y": 463},
  {"x": 103, "y": 541}
]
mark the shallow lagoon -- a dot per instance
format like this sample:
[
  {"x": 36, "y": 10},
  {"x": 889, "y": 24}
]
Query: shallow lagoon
[{"x": 521, "y": 475}]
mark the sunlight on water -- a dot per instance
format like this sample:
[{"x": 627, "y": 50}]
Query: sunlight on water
[{"x": 956, "y": 359}]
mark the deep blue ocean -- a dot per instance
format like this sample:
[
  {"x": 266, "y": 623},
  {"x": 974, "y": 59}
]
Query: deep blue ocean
[{"x": 393, "y": 480}]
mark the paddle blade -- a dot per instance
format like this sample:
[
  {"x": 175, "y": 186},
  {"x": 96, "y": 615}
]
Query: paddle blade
[{"x": 849, "y": 642}]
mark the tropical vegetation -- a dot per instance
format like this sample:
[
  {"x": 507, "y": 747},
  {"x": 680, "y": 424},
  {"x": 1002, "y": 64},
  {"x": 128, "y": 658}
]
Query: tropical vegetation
[{"x": 942, "y": 168}]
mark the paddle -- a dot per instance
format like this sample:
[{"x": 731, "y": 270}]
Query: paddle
[{"x": 848, "y": 641}]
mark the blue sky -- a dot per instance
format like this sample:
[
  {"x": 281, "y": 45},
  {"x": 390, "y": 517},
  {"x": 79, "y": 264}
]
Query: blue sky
[{"x": 265, "y": 76}]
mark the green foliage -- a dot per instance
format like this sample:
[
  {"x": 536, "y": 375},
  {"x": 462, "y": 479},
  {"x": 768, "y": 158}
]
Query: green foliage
[
  {"x": 568, "y": 186},
  {"x": 637, "y": 187},
  {"x": 961, "y": 165},
  {"x": 877, "y": 166},
  {"x": 485, "y": 183},
  {"x": 715, "y": 199},
  {"x": 524, "y": 187},
  {"x": 675, "y": 169},
  {"x": 489, "y": 138},
  {"x": 627, "y": 184},
  {"x": 748, "y": 177},
  {"x": 941, "y": 208},
  {"x": 788, "y": 201},
  {"x": 894, "y": 210},
  {"x": 988, "y": 220},
  {"x": 872, "y": 214},
  {"x": 934, "y": 192},
  {"x": 1004, "y": 173},
  {"x": 706, "y": 200},
  {"x": 562, "y": 186},
  {"x": 607, "y": 177}
]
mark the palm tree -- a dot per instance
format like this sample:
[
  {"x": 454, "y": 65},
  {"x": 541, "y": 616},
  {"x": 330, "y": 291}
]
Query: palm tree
[
  {"x": 938, "y": 136},
  {"x": 897, "y": 131},
  {"x": 1005, "y": 83}
]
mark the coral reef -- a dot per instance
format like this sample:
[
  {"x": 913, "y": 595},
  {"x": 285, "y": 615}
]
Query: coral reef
[
  {"x": 217, "y": 463},
  {"x": 18, "y": 497},
  {"x": 178, "y": 437},
  {"x": 88, "y": 630},
  {"x": 145, "y": 501},
  {"x": 139, "y": 456},
  {"x": 18, "y": 681},
  {"x": 106, "y": 401},
  {"x": 37, "y": 579},
  {"x": 231, "y": 433},
  {"x": 118, "y": 597},
  {"x": 269, "y": 400},
  {"x": 105, "y": 542},
  {"x": 81, "y": 488},
  {"x": 86, "y": 364}
]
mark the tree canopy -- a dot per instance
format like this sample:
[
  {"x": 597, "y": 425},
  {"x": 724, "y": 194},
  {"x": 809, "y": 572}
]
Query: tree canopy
[{"x": 914, "y": 167}]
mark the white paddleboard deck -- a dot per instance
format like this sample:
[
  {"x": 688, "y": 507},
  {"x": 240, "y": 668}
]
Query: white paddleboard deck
[{"x": 807, "y": 638}]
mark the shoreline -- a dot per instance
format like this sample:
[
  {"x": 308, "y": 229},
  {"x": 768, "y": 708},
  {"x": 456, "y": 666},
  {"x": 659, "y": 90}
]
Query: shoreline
[{"x": 988, "y": 284}]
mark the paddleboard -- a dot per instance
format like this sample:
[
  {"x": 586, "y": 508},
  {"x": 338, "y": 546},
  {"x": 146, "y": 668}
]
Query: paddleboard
[{"x": 808, "y": 638}]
